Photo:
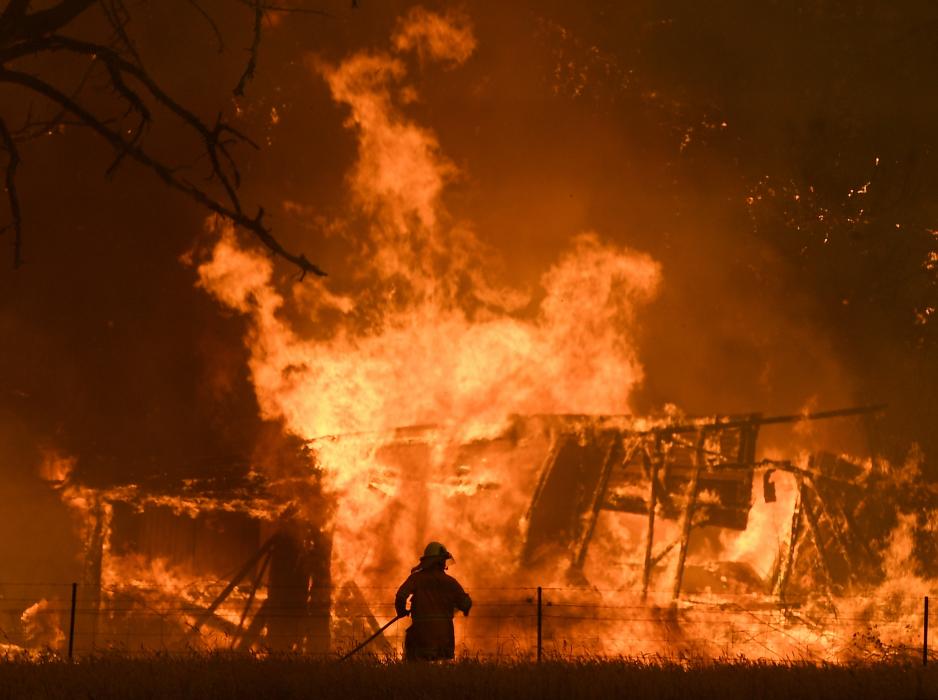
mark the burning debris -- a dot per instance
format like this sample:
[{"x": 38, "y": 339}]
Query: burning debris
[{"x": 156, "y": 561}]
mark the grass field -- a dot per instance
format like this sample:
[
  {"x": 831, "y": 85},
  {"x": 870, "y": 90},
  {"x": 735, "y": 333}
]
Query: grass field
[{"x": 217, "y": 676}]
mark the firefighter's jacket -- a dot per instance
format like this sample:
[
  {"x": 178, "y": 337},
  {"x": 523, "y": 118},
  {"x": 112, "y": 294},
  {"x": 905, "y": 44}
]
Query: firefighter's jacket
[{"x": 435, "y": 596}]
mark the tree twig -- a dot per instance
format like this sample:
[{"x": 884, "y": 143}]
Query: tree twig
[
  {"x": 251, "y": 66},
  {"x": 115, "y": 138},
  {"x": 211, "y": 23},
  {"x": 24, "y": 34},
  {"x": 33, "y": 128},
  {"x": 118, "y": 16},
  {"x": 13, "y": 161}
]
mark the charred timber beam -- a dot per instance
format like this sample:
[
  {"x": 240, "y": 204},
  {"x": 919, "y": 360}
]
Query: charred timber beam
[
  {"x": 838, "y": 536},
  {"x": 358, "y": 599},
  {"x": 748, "y": 437},
  {"x": 238, "y": 578},
  {"x": 255, "y": 584},
  {"x": 785, "y": 465},
  {"x": 663, "y": 553},
  {"x": 795, "y": 533},
  {"x": 722, "y": 474},
  {"x": 694, "y": 426},
  {"x": 546, "y": 469},
  {"x": 687, "y": 517},
  {"x": 599, "y": 497},
  {"x": 664, "y": 430},
  {"x": 94, "y": 564},
  {"x": 256, "y": 627},
  {"x": 857, "y": 539},
  {"x": 811, "y": 520},
  {"x": 769, "y": 420},
  {"x": 320, "y": 600},
  {"x": 652, "y": 503}
]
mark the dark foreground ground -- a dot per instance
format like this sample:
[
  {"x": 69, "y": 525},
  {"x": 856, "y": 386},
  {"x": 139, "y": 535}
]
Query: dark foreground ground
[{"x": 240, "y": 677}]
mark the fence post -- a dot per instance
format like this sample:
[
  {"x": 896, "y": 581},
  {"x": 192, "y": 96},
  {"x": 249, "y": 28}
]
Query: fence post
[
  {"x": 925, "y": 636},
  {"x": 540, "y": 619},
  {"x": 71, "y": 622}
]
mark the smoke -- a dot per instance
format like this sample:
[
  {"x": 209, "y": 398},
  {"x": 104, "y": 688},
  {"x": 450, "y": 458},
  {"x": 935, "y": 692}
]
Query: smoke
[{"x": 446, "y": 38}]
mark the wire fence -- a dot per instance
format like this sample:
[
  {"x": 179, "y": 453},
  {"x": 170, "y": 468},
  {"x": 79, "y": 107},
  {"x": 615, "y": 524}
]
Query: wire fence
[{"x": 505, "y": 622}]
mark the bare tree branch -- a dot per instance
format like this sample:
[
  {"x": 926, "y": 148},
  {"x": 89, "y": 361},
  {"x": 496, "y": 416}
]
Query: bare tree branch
[
  {"x": 23, "y": 35},
  {"x": 216, "y": 145},
  {"x": 136, "y": 104},
  {"x": 232, "y": 212},
  {"x": 20, "y": 24},
  {"x": 211, "y": 22},
  {"x": 248, "y": 73},
  {"x": 13, "y": 160},
  {"x": 260, "y": 8},
  {"x": 32, "y": 128},
  {"x": 118, "y": 17}
]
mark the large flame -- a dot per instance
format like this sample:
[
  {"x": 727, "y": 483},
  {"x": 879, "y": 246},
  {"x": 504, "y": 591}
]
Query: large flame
[{"x": 432, "y": 339}]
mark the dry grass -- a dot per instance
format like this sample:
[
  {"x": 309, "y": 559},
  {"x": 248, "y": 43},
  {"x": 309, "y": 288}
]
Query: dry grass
[{"x": 222, "y": 676}]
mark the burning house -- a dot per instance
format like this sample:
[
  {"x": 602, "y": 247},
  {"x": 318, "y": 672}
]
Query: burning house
[
  {"x": 230, "y": 561},
  {"x": 245, "y": 562},
  {"x": 519, "y": 391}
]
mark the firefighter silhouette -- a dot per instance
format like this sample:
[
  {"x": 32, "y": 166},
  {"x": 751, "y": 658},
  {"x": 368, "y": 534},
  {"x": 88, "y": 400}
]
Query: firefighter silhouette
[{"x": 434, "y": 598}]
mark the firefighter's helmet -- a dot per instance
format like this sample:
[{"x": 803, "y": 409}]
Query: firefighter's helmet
[{"x": 435, "y": 551}]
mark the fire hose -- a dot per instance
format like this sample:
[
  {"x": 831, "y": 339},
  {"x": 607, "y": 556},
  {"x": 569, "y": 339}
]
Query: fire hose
[{"x": 374, "y": 636}]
